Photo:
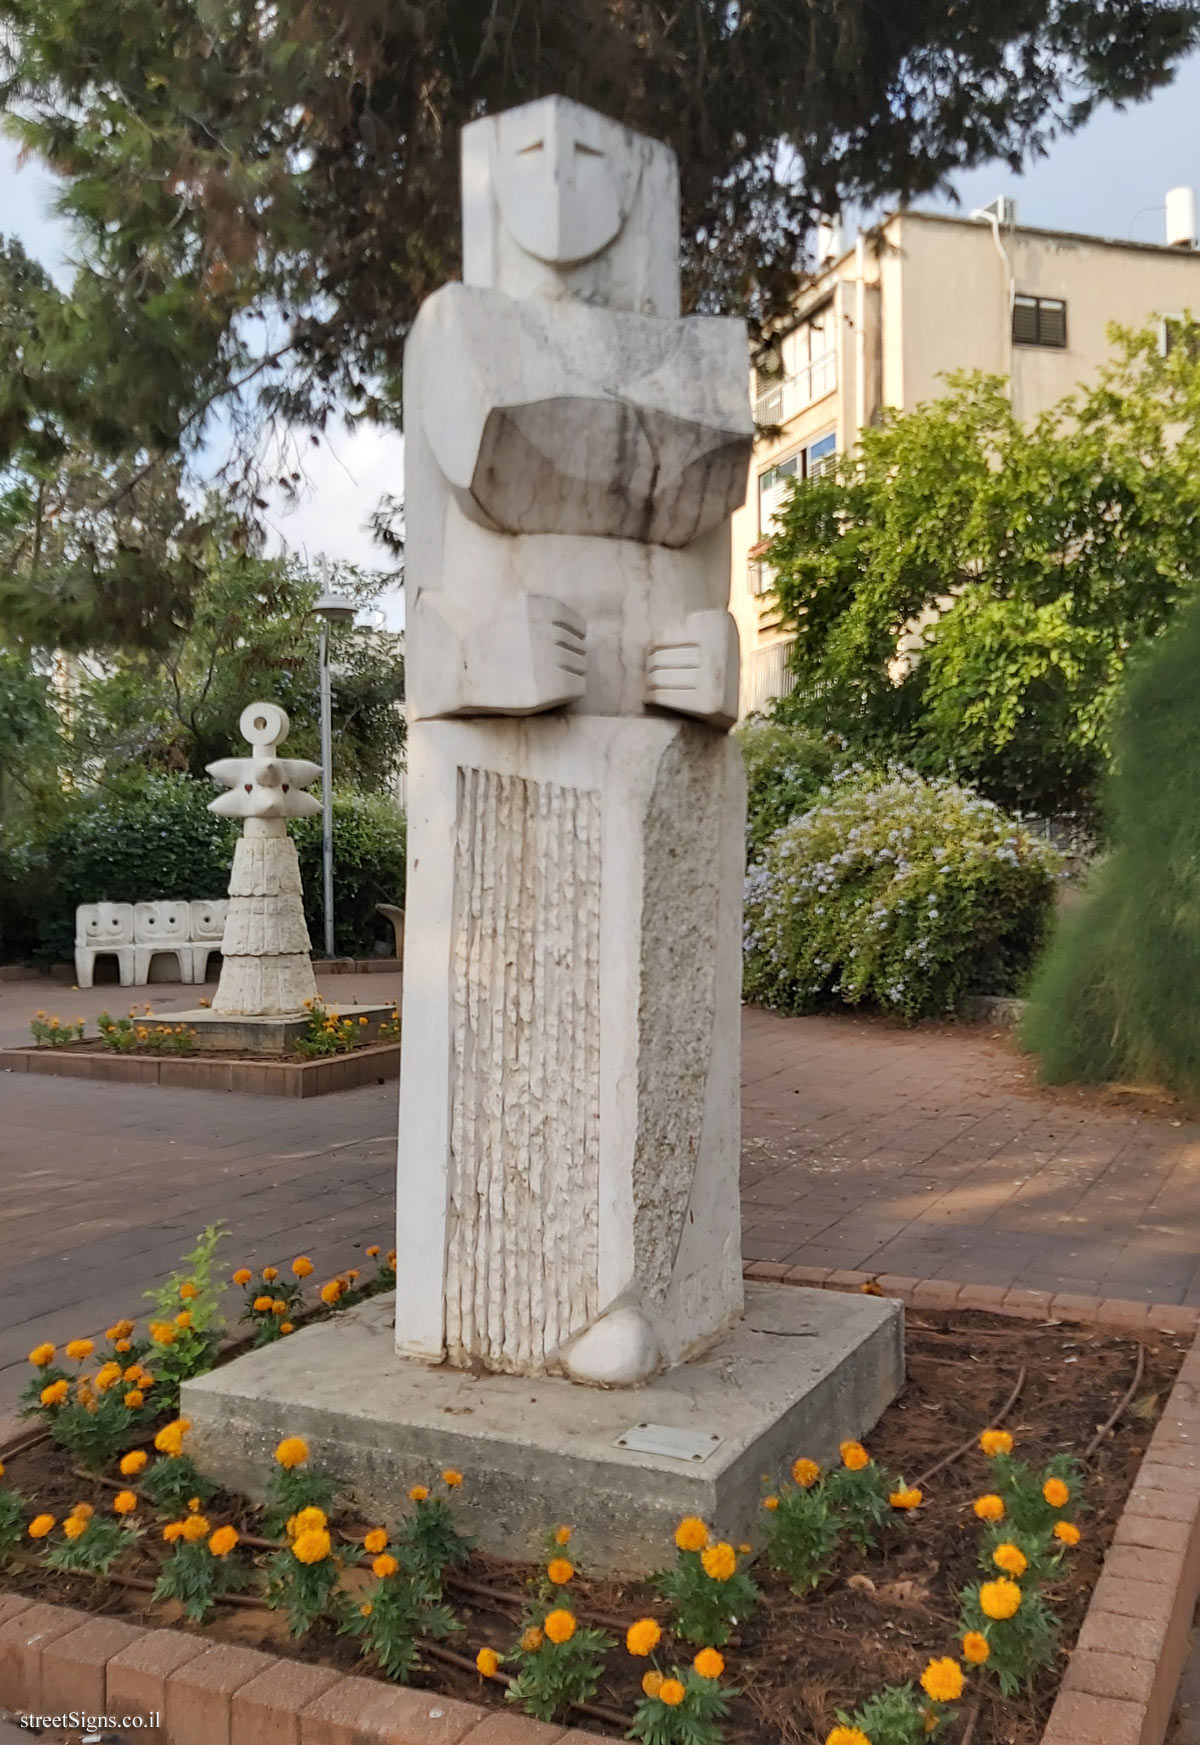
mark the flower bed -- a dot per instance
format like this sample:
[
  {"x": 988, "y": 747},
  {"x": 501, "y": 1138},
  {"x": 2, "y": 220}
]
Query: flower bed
[{"x": 818, "y": 1636}]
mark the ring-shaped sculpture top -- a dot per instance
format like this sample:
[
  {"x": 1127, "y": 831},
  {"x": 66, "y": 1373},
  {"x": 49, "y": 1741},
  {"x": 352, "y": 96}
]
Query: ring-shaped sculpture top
[{"x": 263, "y": 724}]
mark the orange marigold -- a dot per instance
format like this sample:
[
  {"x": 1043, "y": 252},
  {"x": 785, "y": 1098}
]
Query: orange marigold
[
  {"x": 270, "y": 1273},
  {"x": 262, "y": 1305},
  {"x": 1011, "y": 1559},
  {"x": 910, "y": 1498},
  {"x": 195, "y": 1528},
  {"x": 452, "y": 1477},
  {"x": 332, "y": 1292},
  {"x": 124, "y": 1503},
  {"x": 532, "y": 1639},
  {"x": 223, "y": 1541},
  {"x": 643, "y": 1637},
  {"x": 418, "y": 1493},
  {"x": 384, "y": 1565},
  {"x": 313, "y": 1546},
  {"x": 242, "y": 1276},
  {"x": 999, "y": 1599},
  {"x": 652, "y": 1682},
  {"x": 854, "y": 1456},
  {"x": 671, "y": 1692},
  {"x": 1056, "y": 1493},
  {"x": 709, "y": 1664},
  {"x": 975, "y": 1647},
  {"x": 375, "y": 1541},
  {"x": 41, "y": 1525},
  {"x": 989, "y": 1508},
  {"x": 996, "y": 1442},
  {"x": 942, "y": 1680},
  {"x": 1067, "y": 1533},
  {"x": 41, "y": 1355},
  {"x": 720, "y": 1561},
  {"x": 488, "y": 1662},
  {"x": 560, "y": 1571},
  {"x": 75, "y": 1526},
  {"x": 292, "y": 1451},
  {"x": 302, "y": 1266},
  {"x": 559, "y": 1625},
  {"x": 805, "y": 1472},
  {"x": 54, "y": 1394},
  {"x": 691, "y": 1534},
  {"x": 562, "y": 1536},
  {"x": 80, "y": 1349}
]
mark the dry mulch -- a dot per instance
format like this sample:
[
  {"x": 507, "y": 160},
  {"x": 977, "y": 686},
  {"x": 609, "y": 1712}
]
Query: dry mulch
[{"x": 874, "y": 1621}]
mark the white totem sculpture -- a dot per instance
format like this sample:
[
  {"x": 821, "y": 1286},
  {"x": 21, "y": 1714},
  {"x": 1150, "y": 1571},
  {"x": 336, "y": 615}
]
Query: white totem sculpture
[
  {"x": 570, "y": 1073},
  {"x": 266, "y": 968}
]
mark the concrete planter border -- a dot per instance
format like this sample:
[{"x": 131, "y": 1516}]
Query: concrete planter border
[{"x": 263, "y": 1078}]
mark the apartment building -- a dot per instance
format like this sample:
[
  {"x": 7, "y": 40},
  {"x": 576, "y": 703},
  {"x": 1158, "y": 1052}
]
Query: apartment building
[{"x": 917, "y": 297}]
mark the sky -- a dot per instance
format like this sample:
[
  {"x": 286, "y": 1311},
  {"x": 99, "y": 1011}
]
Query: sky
[{"x": 1110, "y": 179}]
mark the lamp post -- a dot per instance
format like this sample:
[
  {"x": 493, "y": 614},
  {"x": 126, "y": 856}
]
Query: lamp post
[{"x": 330, "y": 609}]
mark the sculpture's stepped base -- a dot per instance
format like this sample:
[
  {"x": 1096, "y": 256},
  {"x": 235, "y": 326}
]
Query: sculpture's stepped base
[
  {"x": 801, "y": 1372},
  {"x": 219, "y": 1032}
]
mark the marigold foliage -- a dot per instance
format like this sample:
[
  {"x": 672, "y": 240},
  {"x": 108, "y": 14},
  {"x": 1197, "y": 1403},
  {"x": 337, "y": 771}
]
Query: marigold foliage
[{"x": 705, "y": 1601}]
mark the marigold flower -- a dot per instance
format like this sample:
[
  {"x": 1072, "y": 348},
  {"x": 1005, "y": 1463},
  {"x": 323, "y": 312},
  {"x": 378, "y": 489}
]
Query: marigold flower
[
  {"x": 418, "y": 1493},
  {"x": 1067, "y": 1533},
  {"x": 124, "y": 1503},
  {"x": 452, "y": 1478},
  {"x": 332, "y": 1292},
  {"x": 194, "y": 1505},
  {"x": 162, "y": 1332},
  {"x": 562, "y": 1536},
  {"x": 532, "y": 1639},
  {"x": 691, "y": 1534},
  {"x": 41, "y": 1525},
  {"x": 313, "y": 1546},
  {"x": 41, "y": 1355},
  {"x": 643, "y": 1637},
  {"x": 560, "y": 1571},
  {"x": 80, "y": 1349},
  {"x": 1056, "y": 1493},
  {"x": 391, "y": 1258},
  {"x": 270, "y": 1273},
  {"x": 286, "y": 1327},
  {"x": 1011, "y": 1559},
  {"x": 223, "y": 1541},
  {"x": 84, "y": 1511},
  {"x": 488, "y": 1662},
  {"x": 184, "y": 1319},
  {"x": 1, "y": 1469},
  {"x": 365, "y": 1610},
  {"x": 123, "y": 1345},
  {"x": 375, "y": 1541},
  {"x": 942, "y": 1680},
  {"x": 709, "y": 1664},
  {"x": 107, "y": 1376},
  {"x": 133, "y": 1373},
  {"x": 996, "y": 1442},
  {"x": 989, "y": 1508},
  {"x": 54, "y": 1394},
  {"x": 975, "y": 1647},
  {"x": 559, "y": 1626},
  {"x": 119, "y": 1330},
  {"x": 671, "y": 1692},
  {"x": 652, "y": 1682},
  {"x": 134, "y": 1398},
  {"x": 195, "y": 1528},
  {"x": 999, "y": 1599},
  {"x": 302, "y": 1266},
  {"x": 771, "y": 1503},
  {"x": 75, "y": 1526},
  {"x": 292, "y": 1451},
  {"x": 720, "y": 1561},
  {"x": 854, "y": 1456},
  {"x": 173, "y": 1531},
  {"x": 385, "y": 1565},
  {"x": 907, "y": 1498},
  {"x": 279, "y": 1307},
  {"x": 242, "y": 1276},
  {"x": 170, "y": 1438},
  {"x": 309, "y": 1520},
  {"x": 187, "y": 1291},
  {"x": 372, "y": 1252},
  {"x": 847, "y": 1736},
  {"x": 262, "y": 1305},
  {"x": 805, "y": 1472}
]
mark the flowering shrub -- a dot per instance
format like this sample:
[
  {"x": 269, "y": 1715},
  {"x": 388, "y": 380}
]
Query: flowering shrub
[
  {"x": 135, "y": 1035},
  {"x": 559, "y": 1661},
  {"x": 708, "y": 1593},
  {"x": 201, "y": 1567},
  {"x": 92, "y": 1542},
  {"x": 897, "y": 890},
  {"x": 295, "y": 1488},
  {"x": 429, "y": 1540},
  {"x": 393, "y": 1615},
  {"x": 785, "y": 769},
  {"x": 52, "y": 1032}
]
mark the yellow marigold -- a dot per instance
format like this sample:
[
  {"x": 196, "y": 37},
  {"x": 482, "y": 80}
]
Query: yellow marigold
[
  {"x": 41, "y": 1355},
  {"x": 907, "y": 1498},
  {"x": 135, "y": 1398},
  {"x": 223, "y": 1541},
  {"x": 302, "y": 1266},
  {"x": 375, "y": 1541},
  {"x": 119, "y": 1330},
  {"x": 262, "y": 1305},
  {"x": 194, "y": 1505},
  {"x": 1011, "y": 1559},
  {"x": 184, "y": 1319},
  {"x": 365, "y": 1610},
  {"x": 373, "y": 1251},
  {"x": 560, "y": 1571},
  {"x": 391, "y": 1258},
  {"x": 562, "y": 1536},
  {"x": 124, "y": 1503},
  {"x": 942, "y": 1680},
  {"x": 691, "y": 1534},
  {"x": 709, "y": 1664},
  {"x": 84, "y": 1511},
  {"x": 1067, "y": 1532},
  {"x": 107, "y": 1376},
  {"x": 332, "y": 1292},
  {"x": 352, "y": 1274},
  {"x": 270, "y": 1273},
  {"x": 975, "y": 1647},
  {"x": 989, "y": 1508},
  {"x": 292, "y": 1451},
  {"x": 999, "y": 1599},
  {"x": 123, "y": 1345},
  {"x": 172, "y": 1531},
  {"x": 559, "y": 1626},
  {"x": 854, "y": 1456},
  {"x": 195, "y": 1528},
  {"x": 133, "y": 1373},
  {"x": 54, "y": 1394},
  {"x": 170, "y": 1438},
  {"x": 187, "y": 1291},
  {"x": 996, "y": 1442},
  {"x": 652, "y": 1682},
  {"x": 418, "y": 1493},
  {"x": 671, "y": 1692},
  {"x": 805, "y": 1472},
  {"x": 312, "y": 1547},
  {"x": 279, "y": 1307},
  {"x": 532, "y": 1639},
  {"x": 452, "y": 1477},
  {"x": 242, "y": 1276},
  {"x": 1056, "y": 1493},
  {"x": 162, "y": 1332},
  {"x": 643, "y": 1637},
  {"x": 80, "y": 1349},
  {"x": 286, "y": 1327},
  {"x": 488, "y": 1662},
  {"x": 1, "y": 1469},
  {"x": 41, "y": 1525},
  {"x": 720, "y": 1561},
  {"x": 309, "y": 1520},
  {"x": 847, "y": 1736},
  {"x": 385, "y": 1565},
  {"x": 771, "y": 1503},
  {"x": 75, "y": 1526}
]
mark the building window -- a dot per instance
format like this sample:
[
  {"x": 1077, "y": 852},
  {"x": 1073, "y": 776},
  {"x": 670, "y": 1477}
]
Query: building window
[
  {"x": 809, "y": 462},
  {"x": 1039, "y": 321},
  {"x": 1177, "y": 332}
]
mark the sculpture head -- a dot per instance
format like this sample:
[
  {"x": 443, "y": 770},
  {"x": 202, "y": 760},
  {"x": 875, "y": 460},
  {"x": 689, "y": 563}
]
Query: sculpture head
[
  {"x": 264, "y": 786},
  {"x": 560, "y": 201}
]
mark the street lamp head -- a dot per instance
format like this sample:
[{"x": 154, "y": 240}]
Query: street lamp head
[{"x": 336, "y": 609}]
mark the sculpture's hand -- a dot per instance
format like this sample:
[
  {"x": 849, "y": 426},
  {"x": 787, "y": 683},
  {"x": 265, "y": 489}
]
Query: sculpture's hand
[
  {"x": 529, "y": 656},
  {"x": 693, "y": 668}
]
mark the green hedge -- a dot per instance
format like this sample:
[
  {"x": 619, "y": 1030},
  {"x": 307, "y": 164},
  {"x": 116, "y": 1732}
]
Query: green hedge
[
  {"x": 785, "y": 769},
  {"x": 155, "y": 838},
  {"x": 896, "y": 891}
]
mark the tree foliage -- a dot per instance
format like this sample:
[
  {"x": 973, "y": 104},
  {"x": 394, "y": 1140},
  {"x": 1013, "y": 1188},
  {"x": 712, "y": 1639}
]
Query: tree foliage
[
  {"x": 265, "y": 192},
  {"x": 965, "y": 590}
]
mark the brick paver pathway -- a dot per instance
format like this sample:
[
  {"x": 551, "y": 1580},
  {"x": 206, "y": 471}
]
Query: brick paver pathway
[{"x": 923, "y": 1152}]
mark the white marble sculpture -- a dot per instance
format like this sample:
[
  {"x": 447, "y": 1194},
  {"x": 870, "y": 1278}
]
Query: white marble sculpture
[
  {"x": 570, "y": 1074},
  {"x": 266, "y": 969}
]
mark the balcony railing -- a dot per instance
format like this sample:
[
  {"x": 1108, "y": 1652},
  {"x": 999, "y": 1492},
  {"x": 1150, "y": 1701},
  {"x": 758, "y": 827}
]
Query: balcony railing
[{"x": 786, "y": 396}]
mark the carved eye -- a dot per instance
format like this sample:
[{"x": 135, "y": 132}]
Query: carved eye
[
  {"x": 587, "y": 151},
  {"x": 285, "y": 787},
  {"x": 249, "y": 787},
  {"x": 535, "y": 145}
]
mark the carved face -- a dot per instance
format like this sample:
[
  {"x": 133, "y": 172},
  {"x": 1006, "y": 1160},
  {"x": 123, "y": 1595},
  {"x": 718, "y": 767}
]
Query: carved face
[{"x": 565, "y": 180}]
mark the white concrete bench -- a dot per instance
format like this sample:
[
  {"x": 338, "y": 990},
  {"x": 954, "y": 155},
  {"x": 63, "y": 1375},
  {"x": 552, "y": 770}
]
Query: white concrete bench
[{"x": 136, "y": 933}]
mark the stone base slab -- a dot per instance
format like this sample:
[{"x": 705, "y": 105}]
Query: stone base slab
[
  {"x": 801, "y": 1372},
  {"x": 234, "y": 1033}
]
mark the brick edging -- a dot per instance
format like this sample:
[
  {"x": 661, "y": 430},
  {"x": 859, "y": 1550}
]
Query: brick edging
[
  {"x": 55, "y": 1660},
  {"x": 265, "y": 1078},
  {"x": 1120, "y": 1683}
]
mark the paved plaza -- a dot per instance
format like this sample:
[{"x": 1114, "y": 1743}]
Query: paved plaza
[{"x": 926, "y": 1152}]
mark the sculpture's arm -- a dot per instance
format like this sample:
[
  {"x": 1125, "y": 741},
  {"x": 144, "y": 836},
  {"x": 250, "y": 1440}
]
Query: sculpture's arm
[
  {"x": 528, "y": 656},
  {"x": 693, "y": 668}
]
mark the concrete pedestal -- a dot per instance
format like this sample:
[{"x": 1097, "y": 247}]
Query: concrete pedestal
[
  {"x": 238, "y": 1034},
  {"x": 802, "y": 1371}
]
